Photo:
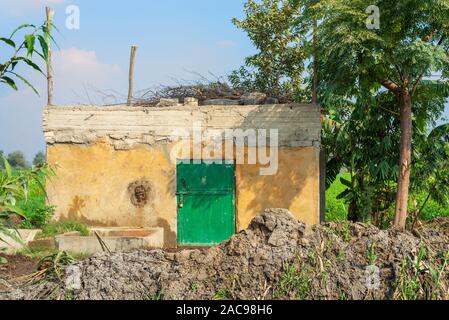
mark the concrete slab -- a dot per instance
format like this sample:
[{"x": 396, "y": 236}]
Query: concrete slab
[{"x": 117, "y": 239}]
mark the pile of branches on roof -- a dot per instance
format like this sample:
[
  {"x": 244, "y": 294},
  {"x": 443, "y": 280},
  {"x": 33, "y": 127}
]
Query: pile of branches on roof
[{"x": 200, "y": 91}]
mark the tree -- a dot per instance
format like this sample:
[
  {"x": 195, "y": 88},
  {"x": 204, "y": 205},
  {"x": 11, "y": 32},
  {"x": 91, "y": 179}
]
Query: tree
[
  {"x": 39, "y": 159},
  {"x": 412, "y": 43},
  {"x": 357, "y": 62},
  {"x": 278, "y": 67},
  {"x": 17, "y": 160}
]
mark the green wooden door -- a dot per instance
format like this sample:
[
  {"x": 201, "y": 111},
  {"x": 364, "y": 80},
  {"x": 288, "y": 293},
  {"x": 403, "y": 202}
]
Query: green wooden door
[{"x": 206, "y": 203}]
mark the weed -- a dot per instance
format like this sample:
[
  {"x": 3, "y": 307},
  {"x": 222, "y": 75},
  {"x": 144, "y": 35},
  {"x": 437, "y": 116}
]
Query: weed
[
  {"x": 223, "y": 294},
  {"x": 53, "y": 229},
  {"x": 341, "y": 256},
  {"x": 420, "y": 278},
  {"x": 54, "y": 264},
  {"x": 159, "y": 296},
  {"x": 371, "y": 254},
  {"x": 194, "y": 286},
  {"x": 293, "y": 282}
]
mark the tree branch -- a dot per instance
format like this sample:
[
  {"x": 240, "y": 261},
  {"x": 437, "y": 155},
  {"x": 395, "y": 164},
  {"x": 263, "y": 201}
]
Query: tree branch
[{"x": 390, "y": 85}]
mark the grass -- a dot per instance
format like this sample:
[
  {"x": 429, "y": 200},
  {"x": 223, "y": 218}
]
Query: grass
[
  {"x": 293, "y": 282},
  {"x": 420, "y": 278},
  {"x": 337, "y": 210},
  {"x": 54, "y": 228},
  {"x": 42, "y": 252}
]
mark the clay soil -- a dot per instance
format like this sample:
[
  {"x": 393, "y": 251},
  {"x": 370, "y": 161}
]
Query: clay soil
[
  {"x": 277, "y": 257},
  {"x": 17, "y": 266}
]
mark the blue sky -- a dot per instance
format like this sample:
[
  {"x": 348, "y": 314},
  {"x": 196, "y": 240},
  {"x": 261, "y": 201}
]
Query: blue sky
[{"x": 174, "y": 38}]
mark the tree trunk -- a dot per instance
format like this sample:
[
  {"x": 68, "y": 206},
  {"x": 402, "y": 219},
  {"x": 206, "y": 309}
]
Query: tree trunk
[{"x": 405, "y": 159}]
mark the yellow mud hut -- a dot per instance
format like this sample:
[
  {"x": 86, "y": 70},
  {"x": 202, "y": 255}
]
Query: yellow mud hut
[{"x": 195, "y": 174}]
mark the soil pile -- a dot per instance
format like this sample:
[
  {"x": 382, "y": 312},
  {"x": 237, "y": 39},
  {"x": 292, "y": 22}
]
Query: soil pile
[{"x": 277, "y": 257}]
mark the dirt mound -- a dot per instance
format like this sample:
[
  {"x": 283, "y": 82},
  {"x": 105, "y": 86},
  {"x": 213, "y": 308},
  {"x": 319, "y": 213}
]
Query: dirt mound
[{"x": 276, "y": 257}]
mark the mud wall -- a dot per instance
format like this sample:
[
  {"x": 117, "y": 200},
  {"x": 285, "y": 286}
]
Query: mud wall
[{"x": 115, "y": 166}]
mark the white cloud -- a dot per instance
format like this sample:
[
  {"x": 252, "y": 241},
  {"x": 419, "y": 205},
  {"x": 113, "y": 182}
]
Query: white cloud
[{"x": 74, "y": 70}]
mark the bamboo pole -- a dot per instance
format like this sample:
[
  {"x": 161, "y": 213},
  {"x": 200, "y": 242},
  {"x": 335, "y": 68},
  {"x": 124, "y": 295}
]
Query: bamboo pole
[
  {"x": 50, "y": 14},
  {"x": 131, "y": 74}
]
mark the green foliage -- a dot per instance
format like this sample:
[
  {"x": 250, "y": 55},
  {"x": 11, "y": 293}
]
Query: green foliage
[
  {"x": 22, "y": 52},
  {"x": 223, "y": 294},
  {"x": 278, "y": 66},
  {"x": 17, "y": 160},
  {"x": 55, "y": 228},
  {"x": 36, "y": 212},
  {"x": 362, "y": 127},
  {"x": 419, "y": 278},
  {"x": 293, "y": 283},
  {"x": 55, "y": 264},
  {"x": 336, "y": 209},
  {"x": 16, "y": 189},
  {"x": 410, "y": 44},
  {"x": 39, "y": 159}
]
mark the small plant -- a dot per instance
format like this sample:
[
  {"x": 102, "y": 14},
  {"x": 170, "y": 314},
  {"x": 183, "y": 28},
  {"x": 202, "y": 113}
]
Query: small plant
[
  {"x": 420, "y": 278},
  {"x": 223, "y": 294},
  {"x": 56, "y": 228},
  {"x": 194, "y": 286},
  {"x": 341, "y": 256},
  {"x": 371, "y": 254},
  {"x": 293, "y": 282},
  {"x": 159, "y": 296},
  {"x": 15, "y": 189},
  {"x": 55, "y": 264}
]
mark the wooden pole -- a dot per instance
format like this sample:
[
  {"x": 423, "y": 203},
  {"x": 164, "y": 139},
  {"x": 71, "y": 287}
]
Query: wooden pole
[
  {"x": 50, "y": 14},
  {"x": 131, "y": 75},
  {"x": 315, "y": 65}
]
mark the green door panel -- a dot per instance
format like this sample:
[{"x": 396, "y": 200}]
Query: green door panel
[
  {"x": 205, "y": 177},
  {"x": 206, "y": 203}
]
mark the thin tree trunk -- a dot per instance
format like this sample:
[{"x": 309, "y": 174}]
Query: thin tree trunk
[{"x": 405, "y": 159}]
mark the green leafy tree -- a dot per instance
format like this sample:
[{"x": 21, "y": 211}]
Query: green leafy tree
[
  {"x": 357, "y": 63},
  {"x": 411, "y": 45},
  {"x": 39, "y": 159},
  {"x": 278, "y": 66},
  {"x": 17, "y": 160}
]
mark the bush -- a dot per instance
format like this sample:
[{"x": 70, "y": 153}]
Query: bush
[
  {"x": 337, "y": 210},
  {"x": 35, "y": 210}
]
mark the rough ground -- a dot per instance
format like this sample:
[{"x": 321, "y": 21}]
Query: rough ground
[{"x": 276, "y": 257}]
